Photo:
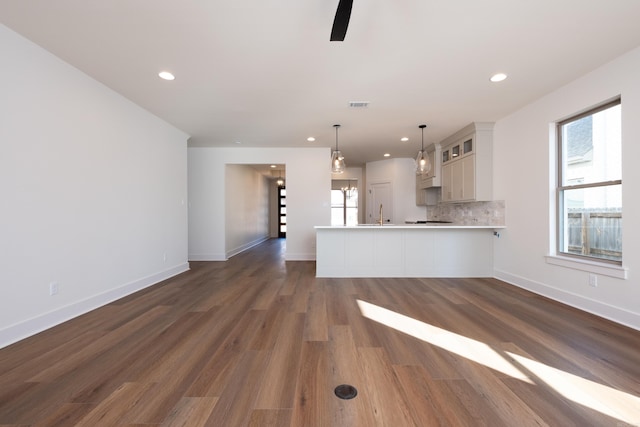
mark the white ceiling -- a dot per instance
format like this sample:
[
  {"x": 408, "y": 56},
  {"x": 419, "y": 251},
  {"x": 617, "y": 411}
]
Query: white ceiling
[{"x": 263, "y": 73}]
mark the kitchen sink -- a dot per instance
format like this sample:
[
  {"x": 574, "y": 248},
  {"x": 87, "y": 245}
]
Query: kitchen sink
[{"x": 433, "y": 222}]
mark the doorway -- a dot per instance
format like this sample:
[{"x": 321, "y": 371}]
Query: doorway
[{"x": 380, "y": 194}]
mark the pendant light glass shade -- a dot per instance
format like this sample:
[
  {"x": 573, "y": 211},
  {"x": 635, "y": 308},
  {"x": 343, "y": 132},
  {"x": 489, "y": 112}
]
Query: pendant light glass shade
[
  {"x": 337, "y": 162},
  {"x": 423, "y": 163},
  {"x": 337, "y": 159},
  {"x": 280, "y": 181}
]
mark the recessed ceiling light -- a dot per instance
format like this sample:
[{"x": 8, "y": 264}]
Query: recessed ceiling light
[
  {"x": 311, "y": 139},
  {"x": 498, "y": 77},
  {"x": 387, "y": 155},
  {"x": 273, "y": 166},
  {"x": 166, "y": 75},
  {"x": 404, "y": 139},
  {"x": 238, "y": 142}
]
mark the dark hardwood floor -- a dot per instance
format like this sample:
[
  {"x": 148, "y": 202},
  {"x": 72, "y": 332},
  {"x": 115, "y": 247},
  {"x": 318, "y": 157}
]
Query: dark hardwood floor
[{"x": 255, "y": 341}]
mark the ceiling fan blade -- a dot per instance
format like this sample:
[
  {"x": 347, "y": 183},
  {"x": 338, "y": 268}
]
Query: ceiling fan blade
[{"x": 341, "y": 21}]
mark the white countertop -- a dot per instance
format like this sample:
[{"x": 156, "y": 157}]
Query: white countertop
[{"x": 406, "y": 226}]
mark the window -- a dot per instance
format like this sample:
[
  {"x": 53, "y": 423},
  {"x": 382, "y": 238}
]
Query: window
[
  {"x": 589, "y": 192},
  {"x": 344, "y": 203}
]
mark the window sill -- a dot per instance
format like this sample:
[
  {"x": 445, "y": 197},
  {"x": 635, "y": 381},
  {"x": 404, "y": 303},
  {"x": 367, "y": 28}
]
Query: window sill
[{"x": 595, "y": 267}]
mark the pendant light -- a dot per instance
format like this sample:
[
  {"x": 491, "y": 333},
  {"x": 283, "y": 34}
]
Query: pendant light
[
  {"x": 348, "y": 190},
  {"x": 423, "y": 163},
  {"x": 280, "y": 181},
  {"x": 337, "y": 159}
]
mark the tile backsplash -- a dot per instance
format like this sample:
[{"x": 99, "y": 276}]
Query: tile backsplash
[{"x": 469, "y": 213}]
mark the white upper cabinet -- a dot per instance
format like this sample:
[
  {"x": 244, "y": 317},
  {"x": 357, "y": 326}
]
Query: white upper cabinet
[{"x": 467, "y": 164}]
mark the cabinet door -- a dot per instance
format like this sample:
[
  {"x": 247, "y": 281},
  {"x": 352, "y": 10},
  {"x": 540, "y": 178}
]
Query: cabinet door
[
  {"x": 423, "y": 181},
  {"x": 421, "y": 197},
  {"x": 446, "y": 183},
  {"x": 457, "y": 181},
  {"x": 455, "y": 152},
  {"x": 467, "y": 146},
  {"x": 468, "y": 165}
]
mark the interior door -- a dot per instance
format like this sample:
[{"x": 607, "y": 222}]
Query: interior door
[{"x": 380, "y": 194}]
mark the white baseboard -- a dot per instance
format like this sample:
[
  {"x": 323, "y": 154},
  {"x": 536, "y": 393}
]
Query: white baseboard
[
  {"x": 311, "y": 256},
  {"x": 246, "y": 246},
  {"x": 27, "y": 328},
  {"x": 207, "y": 257},
  {"x": 615, "y": 314}
]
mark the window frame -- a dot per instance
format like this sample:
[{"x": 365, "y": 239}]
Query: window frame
[
  {"x": 560, "y": 188},
  {"x": 345, "y": 208}
]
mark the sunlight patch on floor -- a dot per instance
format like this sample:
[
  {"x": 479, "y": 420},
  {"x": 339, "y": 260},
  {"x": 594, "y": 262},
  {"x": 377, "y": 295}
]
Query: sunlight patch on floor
[
  {"x": 607, "y": 400},
  {"x": 602, "y": 398},
  {"x": 462, "y": 346}
]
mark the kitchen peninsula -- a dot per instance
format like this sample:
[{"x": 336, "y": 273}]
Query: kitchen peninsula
[
  {"x": 411, "y": 250},
  {"x": 459, "y": 189}
]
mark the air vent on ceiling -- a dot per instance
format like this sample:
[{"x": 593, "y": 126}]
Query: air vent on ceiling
[{"x": 358, "y": 104}]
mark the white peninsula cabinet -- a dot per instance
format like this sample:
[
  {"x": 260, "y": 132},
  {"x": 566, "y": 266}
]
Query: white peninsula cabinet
[
  {"x": 467, "y": 164},
  {"x": 437, "y": 250}
]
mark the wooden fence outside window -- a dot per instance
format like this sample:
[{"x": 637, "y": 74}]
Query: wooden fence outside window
[{"x": 595, "y": 233}]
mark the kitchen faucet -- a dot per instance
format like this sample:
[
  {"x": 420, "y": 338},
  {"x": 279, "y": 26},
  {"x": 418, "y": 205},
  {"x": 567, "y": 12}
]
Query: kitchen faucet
[{"x": 380, "y": 220}]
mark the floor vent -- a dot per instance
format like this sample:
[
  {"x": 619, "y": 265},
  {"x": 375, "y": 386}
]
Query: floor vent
[{"x": 346, "y": 391}]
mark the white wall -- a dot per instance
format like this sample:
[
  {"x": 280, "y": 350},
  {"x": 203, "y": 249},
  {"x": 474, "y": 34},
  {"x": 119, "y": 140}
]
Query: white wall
[
  {"x": 401, "y": 173},
  {"x": 308, "y": 196},
  {"x": 93, "y": 192},
  {"x": 523, "y": 177},
  {"x": 246, "y": 208}
]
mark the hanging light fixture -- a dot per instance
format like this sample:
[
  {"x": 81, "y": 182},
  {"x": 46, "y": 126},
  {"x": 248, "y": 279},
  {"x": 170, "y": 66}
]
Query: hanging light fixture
[
  {"x": 337, "y": 159},
  {"x": 348, "y": 190},
  {"x": 280, "y": 181},
  {"x": 423, "y": 163}
]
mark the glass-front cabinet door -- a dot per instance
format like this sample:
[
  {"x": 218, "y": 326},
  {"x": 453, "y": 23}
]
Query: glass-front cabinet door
[{"x": 467, "y": 146}]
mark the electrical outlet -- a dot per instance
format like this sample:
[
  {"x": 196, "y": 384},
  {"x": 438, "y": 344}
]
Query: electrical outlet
[
  {"x": 53, "y": 288},
  {"x": 593, "y": 280}
]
